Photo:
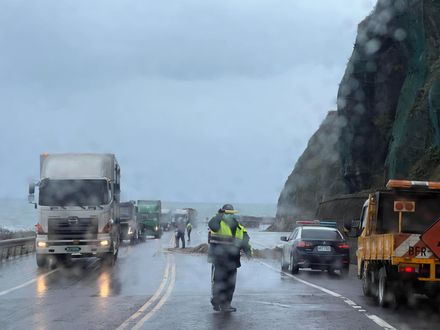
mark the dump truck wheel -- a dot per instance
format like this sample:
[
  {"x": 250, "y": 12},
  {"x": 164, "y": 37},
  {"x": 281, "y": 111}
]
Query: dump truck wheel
[
  {"x": 385, "y": 294},
  {"x": 367, "y": 284}
]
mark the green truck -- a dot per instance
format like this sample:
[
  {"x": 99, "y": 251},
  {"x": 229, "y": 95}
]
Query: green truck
[{"x": 148, "y": 218}]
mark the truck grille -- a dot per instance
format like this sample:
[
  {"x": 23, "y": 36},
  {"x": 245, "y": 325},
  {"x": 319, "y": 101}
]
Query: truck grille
[{"x": 72, "y": 228}]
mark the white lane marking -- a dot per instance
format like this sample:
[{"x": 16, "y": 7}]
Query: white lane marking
[
  {"x": 376, "y": 319},
  {"x": 350, "y": 302},
  {"x": 161, "y": 302},
  {"x": 2, "y": 293},
  {"x": 273, "y": 304},
  {"x": 380, "y": 322},
  {"x": 332, "y": 293}
]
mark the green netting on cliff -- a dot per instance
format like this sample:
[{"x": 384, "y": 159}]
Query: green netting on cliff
[
  {"x": 434, "y": 110},
  {"x": 410, "y": 125}
]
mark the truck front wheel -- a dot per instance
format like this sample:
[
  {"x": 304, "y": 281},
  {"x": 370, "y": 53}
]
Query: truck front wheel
[
  {"x": 110, "y": 258},
  {"x": 41, "y": 260},
  {"x": 143, "y": 235},
  {"x": 135, "y": 237}
]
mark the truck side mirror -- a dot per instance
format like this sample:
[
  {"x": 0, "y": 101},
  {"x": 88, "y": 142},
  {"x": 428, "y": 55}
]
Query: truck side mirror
[
  {"x": 31, "y": 188},
  {"x": 354, "y": 230},
  {"x": 31, "y": 199},
  {"x": 31, "y": 196},
  {"x": 283, "y": 238}
]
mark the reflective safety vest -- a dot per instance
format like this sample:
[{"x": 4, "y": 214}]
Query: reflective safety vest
[{"x": 224, "y": 235}]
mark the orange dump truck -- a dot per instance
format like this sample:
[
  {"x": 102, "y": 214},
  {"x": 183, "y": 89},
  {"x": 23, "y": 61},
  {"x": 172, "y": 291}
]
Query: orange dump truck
[{"x": 399, "y": 241}]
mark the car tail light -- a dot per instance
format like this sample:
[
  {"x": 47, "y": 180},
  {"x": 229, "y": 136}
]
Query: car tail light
[
  {"x": 39, "y": 229},
  {"x": 343, "y": 246},
  {"x": 304, "y": 244},
  {"x": 107, "y": 228}
]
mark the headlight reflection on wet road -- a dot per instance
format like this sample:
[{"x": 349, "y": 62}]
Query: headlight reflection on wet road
[
  {"x": 41, "y": 286},
  {"x": 104, "y": 284}
]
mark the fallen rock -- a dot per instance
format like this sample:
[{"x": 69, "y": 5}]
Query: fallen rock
[{"x": 274, "y": 253}]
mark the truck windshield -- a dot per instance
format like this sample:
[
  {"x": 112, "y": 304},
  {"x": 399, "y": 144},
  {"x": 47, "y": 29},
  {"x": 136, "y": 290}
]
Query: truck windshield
[
  {"x": 74, "y": 192},
  {"x": 126, "y": 212}
]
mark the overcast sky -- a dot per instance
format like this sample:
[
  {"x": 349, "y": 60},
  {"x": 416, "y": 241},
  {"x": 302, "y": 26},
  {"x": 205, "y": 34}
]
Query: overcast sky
[{"x": 201, "y": 100}]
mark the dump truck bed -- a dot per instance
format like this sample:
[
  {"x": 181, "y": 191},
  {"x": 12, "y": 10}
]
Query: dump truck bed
[{"x": 394, "y": 232}]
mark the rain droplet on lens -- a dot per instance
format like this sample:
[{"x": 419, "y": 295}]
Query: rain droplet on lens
[
  {"x": 372, "y": 46},
  {"x": 400, "y": 34}
]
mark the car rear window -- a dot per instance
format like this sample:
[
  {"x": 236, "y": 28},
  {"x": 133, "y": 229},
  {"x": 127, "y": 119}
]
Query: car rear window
[{"x": 326, "y": 234}]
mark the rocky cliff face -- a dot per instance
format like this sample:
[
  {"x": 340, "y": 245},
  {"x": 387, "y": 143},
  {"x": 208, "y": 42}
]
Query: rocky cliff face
[{"x": 387, "y": 123}]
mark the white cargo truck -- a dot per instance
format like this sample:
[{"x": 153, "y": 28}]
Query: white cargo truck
[{"x": 77, "y": 200}]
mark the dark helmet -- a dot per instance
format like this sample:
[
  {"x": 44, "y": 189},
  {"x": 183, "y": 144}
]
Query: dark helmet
[{"x": 227, "y": 207}]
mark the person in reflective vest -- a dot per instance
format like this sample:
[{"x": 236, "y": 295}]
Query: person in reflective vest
[
  {"x": 188, "y": 230},
  {"x": 227, "y": 238}
]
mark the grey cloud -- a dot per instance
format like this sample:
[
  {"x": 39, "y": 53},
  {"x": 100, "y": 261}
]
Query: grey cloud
[
  {"x": 222, "y": 94},
  {"x": 60, "y": 42}
]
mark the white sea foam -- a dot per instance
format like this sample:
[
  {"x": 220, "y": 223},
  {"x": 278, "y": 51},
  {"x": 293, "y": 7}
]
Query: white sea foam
[{"x": 18, "y": 214}]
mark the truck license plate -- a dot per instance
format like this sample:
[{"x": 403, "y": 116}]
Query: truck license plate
[
  {"x": 73, "y": 249},
  {"x": 323, "y": 248}
]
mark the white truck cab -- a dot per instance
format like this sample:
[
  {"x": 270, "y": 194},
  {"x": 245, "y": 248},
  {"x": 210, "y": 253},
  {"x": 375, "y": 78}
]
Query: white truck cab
[{"x": 76, "y": 202}]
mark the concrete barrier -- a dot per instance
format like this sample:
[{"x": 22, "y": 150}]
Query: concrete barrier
[{"x": 10, "y": 248}]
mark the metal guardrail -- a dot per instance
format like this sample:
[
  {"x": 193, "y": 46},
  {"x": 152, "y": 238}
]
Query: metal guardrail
[{"x": 10, "y": 248}]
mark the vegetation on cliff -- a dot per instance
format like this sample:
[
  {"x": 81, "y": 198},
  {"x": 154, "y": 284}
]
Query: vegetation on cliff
[{"x": 387, "y": 123}]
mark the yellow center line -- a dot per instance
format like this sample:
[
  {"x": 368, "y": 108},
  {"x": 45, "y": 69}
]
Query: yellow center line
[
  {"x": 166, "y": 282},
  {"x": 161, "y": 302}
]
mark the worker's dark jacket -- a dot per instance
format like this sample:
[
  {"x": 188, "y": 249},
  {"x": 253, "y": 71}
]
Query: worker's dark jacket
[
  {"x": 180, "y": 227},
  {"x": 227, "y": 253}
]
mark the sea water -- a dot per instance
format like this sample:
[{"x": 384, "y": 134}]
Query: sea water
[{"x": 18, "y": 214}]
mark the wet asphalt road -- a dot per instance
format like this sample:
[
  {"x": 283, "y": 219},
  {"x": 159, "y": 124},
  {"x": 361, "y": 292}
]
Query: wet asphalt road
[{"x": 150, "y": 288}]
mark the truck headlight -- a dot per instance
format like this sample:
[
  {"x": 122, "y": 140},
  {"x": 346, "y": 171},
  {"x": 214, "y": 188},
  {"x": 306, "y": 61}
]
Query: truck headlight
[
  {"x": 104, "y": 242},
  {"x": 156, "y": 228},
  {"x": 41, "y": 244},
  {"x": 130, "y": 231}
]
